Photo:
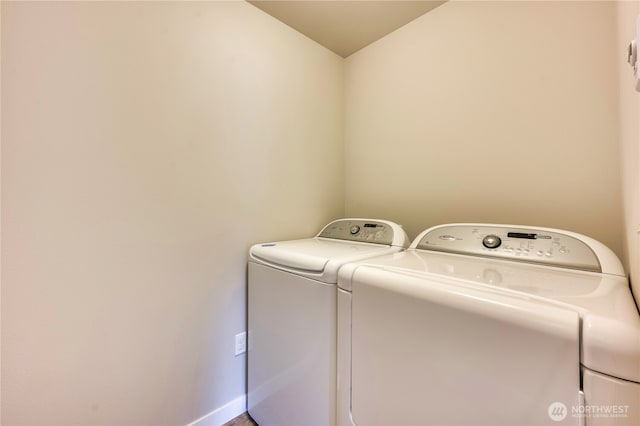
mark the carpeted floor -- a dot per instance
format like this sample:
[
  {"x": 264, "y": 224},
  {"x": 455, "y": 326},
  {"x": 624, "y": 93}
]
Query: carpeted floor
[{"x": 242, "y": 420}]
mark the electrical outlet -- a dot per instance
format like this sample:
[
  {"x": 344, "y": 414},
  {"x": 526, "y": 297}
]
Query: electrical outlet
[{"x": 241, "y": 343}]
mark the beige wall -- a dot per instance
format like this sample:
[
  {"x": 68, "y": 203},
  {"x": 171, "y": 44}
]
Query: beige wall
[
  {"x": 489, "y": 112},
  {"x": 145, "y": 147},
  {"x": 627, "y": 13}
]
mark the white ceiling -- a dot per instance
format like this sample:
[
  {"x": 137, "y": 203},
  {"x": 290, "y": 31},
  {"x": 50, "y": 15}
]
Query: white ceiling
[{"x": 345, "y": 26}]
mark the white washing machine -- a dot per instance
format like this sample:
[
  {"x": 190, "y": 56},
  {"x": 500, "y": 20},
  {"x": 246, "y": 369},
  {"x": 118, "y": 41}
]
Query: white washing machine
[
  {"x": 292, "y": 318},
  {"x": 489, "y": 325}
]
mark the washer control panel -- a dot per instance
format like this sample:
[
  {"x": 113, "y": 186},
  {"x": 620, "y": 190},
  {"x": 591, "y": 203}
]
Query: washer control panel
[
  {"x": 542, "y": 245},
  {"x": 364, "y": 231}
]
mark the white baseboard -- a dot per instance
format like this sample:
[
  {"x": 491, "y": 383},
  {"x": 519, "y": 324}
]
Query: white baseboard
[{"x": 223, "y": 414}]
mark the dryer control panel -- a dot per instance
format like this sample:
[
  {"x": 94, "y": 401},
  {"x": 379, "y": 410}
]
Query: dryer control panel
[
  {"x": 360, "y": 230},
  {"x": 551, "y": 247}
]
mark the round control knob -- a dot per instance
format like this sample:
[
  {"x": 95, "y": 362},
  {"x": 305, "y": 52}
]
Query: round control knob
[
  {"x": 491, "y": 241},
  {"x": 355, "y": 229}
]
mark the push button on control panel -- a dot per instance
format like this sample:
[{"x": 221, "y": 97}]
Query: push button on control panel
[
  {"x": 355, "y": 229},
  {"x": 491, "y": 241}
]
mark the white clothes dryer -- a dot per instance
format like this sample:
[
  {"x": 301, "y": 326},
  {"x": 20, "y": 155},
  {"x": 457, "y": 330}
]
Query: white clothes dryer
[
  {"x": 489, "y": 325},
  {"x": 292, "y": 288}
]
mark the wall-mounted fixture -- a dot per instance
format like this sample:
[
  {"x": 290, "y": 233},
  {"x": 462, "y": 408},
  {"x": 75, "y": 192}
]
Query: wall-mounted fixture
[{"x": 632, "y": 55}]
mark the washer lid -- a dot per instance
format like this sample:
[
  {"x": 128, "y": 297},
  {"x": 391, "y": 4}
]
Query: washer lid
[
  {"x": 339, "y": 242},
  {"x": 307, "y": 255},
  {"x": 313, "y": 254}
]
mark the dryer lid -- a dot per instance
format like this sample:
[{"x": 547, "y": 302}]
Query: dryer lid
[
  {"x": 464, "y": 339},
  {"x": 610, "y": 324}
]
